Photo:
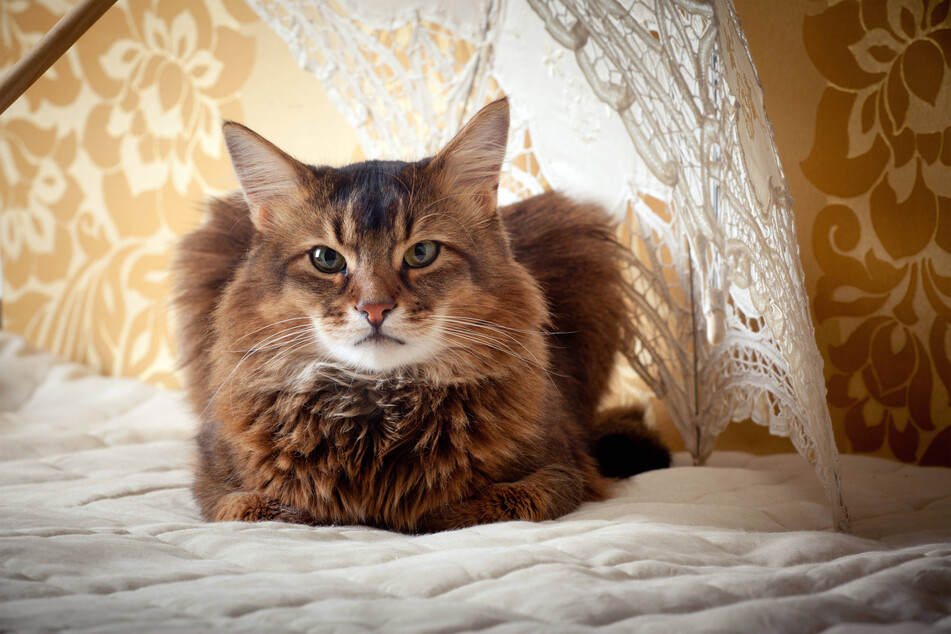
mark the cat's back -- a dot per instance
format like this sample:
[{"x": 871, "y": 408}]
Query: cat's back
[
  {"x": 205, "y": 263},
  {"x": 571, "y": 250}
]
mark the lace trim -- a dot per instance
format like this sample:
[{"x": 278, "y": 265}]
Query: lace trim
[{"x": 720, "y": 318}]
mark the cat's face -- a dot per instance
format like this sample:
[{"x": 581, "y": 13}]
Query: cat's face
[
  {"x": 389, "y": 274},
  {"x": 385, "y": 265}
]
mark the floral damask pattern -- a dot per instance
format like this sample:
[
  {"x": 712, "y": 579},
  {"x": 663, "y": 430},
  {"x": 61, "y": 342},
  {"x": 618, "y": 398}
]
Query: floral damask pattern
[
  {"x": 882, "y": 149},
  {"x": 164, "y": 82},
  {"x": 104, "y": 162}
]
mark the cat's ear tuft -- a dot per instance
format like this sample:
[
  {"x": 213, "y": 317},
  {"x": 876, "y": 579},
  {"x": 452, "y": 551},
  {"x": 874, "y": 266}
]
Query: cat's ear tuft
[
  {"x": 473, "y": 159},
  {"x": 267, "y": 174}
]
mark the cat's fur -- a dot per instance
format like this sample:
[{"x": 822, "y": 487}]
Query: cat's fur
[{"x": 483, "y": 408}]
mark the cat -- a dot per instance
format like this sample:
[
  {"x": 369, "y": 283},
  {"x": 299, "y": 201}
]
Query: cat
[{"x": 380, "y": 344}]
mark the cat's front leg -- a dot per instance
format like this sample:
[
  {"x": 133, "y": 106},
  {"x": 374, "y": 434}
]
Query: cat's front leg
[
  {"x": 545, "y": 494},
  {"x": 249, "y": 506}
]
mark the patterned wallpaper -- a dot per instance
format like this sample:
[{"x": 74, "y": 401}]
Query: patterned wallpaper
[
  {"x": 105, "y": 161},
  {"x": 882, "y": 152},
  {"x": 860, "y": 98},
  {"x": 102, "y": 162}
]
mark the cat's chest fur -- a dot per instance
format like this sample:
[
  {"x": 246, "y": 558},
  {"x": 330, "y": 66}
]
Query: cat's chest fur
[{"x": 374, "y": 451}]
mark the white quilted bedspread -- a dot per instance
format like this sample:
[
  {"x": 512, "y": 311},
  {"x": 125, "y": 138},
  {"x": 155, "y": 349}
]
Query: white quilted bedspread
[{"x": 98, "y": 533}]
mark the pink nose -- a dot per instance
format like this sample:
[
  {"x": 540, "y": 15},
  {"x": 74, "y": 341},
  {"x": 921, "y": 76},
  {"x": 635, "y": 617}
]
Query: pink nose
[{"x": 376, "y": 312}]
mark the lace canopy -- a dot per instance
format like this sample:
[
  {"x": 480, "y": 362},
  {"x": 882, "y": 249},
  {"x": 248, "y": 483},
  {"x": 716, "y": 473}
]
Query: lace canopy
[{"x": 654, "y": 109}]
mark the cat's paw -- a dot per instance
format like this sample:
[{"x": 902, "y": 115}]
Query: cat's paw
[
  {"x": 512, "y": 501},
  {"x": 255, "y": 507},
  {"x": 502, "y": 502}
]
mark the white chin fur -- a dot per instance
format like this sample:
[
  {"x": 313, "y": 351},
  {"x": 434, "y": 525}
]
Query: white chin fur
[
  {"x": 376, "y": 357},
  {"x": 382, "y": 356}
]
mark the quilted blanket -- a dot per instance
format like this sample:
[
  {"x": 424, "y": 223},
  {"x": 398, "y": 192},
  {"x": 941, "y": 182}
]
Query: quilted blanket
[{"x": 98, "y": 533}]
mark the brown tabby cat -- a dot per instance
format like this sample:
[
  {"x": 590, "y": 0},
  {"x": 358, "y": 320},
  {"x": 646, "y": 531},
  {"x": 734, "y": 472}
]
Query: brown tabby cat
[{"x": 379, "y": 344}]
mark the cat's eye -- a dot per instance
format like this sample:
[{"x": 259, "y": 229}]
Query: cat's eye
[
  {"x": 327, "y": 260},
  {"x": 421, "y": 254}
]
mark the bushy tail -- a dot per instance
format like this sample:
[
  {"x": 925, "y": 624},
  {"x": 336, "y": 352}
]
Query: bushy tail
[{"x": 624, "y": 445}]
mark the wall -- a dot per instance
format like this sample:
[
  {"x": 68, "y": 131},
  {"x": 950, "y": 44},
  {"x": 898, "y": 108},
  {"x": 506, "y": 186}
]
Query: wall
[
  {"x": 106, "y": 160},
  {"x": 859, "y": 94}
]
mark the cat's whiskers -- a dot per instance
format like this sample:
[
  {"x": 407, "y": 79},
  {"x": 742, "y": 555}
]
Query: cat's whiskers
[
  {"x": 545, "y": 333},
  {"x": 476, "y": 321},
  {"x": 487, "y": 341},
  {"x": 504, "y": 350},
  {"x": 491, "y": 342},
  {"x": 294, "y": 345},
  {"x": 452, "y": 359},
  {"x": 301, "y": 340},
  {"x": 460, "y": 323},
  {"x": 272, "y": 342},
  {"x": 270, "y": 325},
  {"x": 492, "y": 327},
  {"x": 261, "y": 344},
  {"x": 495, "y": 343}
]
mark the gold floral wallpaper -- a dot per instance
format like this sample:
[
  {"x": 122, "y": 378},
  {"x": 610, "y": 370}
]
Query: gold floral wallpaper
[
  {"x": 882, "y": 148},
  {"x": 102, "y": 162},
  {"x": 106, "y": 160},
  {"x": 859, "y": 93}
]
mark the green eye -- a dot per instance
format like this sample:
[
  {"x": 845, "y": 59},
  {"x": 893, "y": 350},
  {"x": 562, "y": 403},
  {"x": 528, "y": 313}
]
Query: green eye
[
  {"x": 327, "y": 260},
  {"x": 421, "y": 254}
]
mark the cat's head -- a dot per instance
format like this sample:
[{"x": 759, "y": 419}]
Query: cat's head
[{"x": 383, "y": 265}]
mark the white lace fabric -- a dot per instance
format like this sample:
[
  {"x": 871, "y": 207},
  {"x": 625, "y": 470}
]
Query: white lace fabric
[{"x": 651, "y": 107}]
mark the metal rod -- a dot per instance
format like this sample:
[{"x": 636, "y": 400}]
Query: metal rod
[{"x": 50, "y": 48}]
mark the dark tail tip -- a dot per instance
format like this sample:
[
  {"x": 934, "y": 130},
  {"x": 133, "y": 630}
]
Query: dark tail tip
[
  {"x": 624, "y": 446},
  {"x": 621, "y": 455}
]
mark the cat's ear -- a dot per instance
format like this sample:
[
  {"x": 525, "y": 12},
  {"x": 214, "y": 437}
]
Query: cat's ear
[
  {"x": 267, "y": 174},
  {"x": 473, "y": 159}
]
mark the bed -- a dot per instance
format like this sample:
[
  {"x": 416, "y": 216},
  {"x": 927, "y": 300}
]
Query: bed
[{"x": 98, "y": 533}]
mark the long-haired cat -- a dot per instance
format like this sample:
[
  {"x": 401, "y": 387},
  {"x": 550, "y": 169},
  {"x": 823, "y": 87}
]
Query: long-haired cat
[{"x": 379, "y": 344}]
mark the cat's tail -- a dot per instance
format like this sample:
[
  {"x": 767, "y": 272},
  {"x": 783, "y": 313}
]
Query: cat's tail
[{"x": 624, "y": 445}]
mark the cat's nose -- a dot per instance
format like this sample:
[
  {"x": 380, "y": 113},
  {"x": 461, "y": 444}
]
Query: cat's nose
[{"x": 376, "y": 312}]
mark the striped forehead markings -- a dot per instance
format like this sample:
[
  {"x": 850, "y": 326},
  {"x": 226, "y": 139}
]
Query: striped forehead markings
[{"x": 371, "y": 192}]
